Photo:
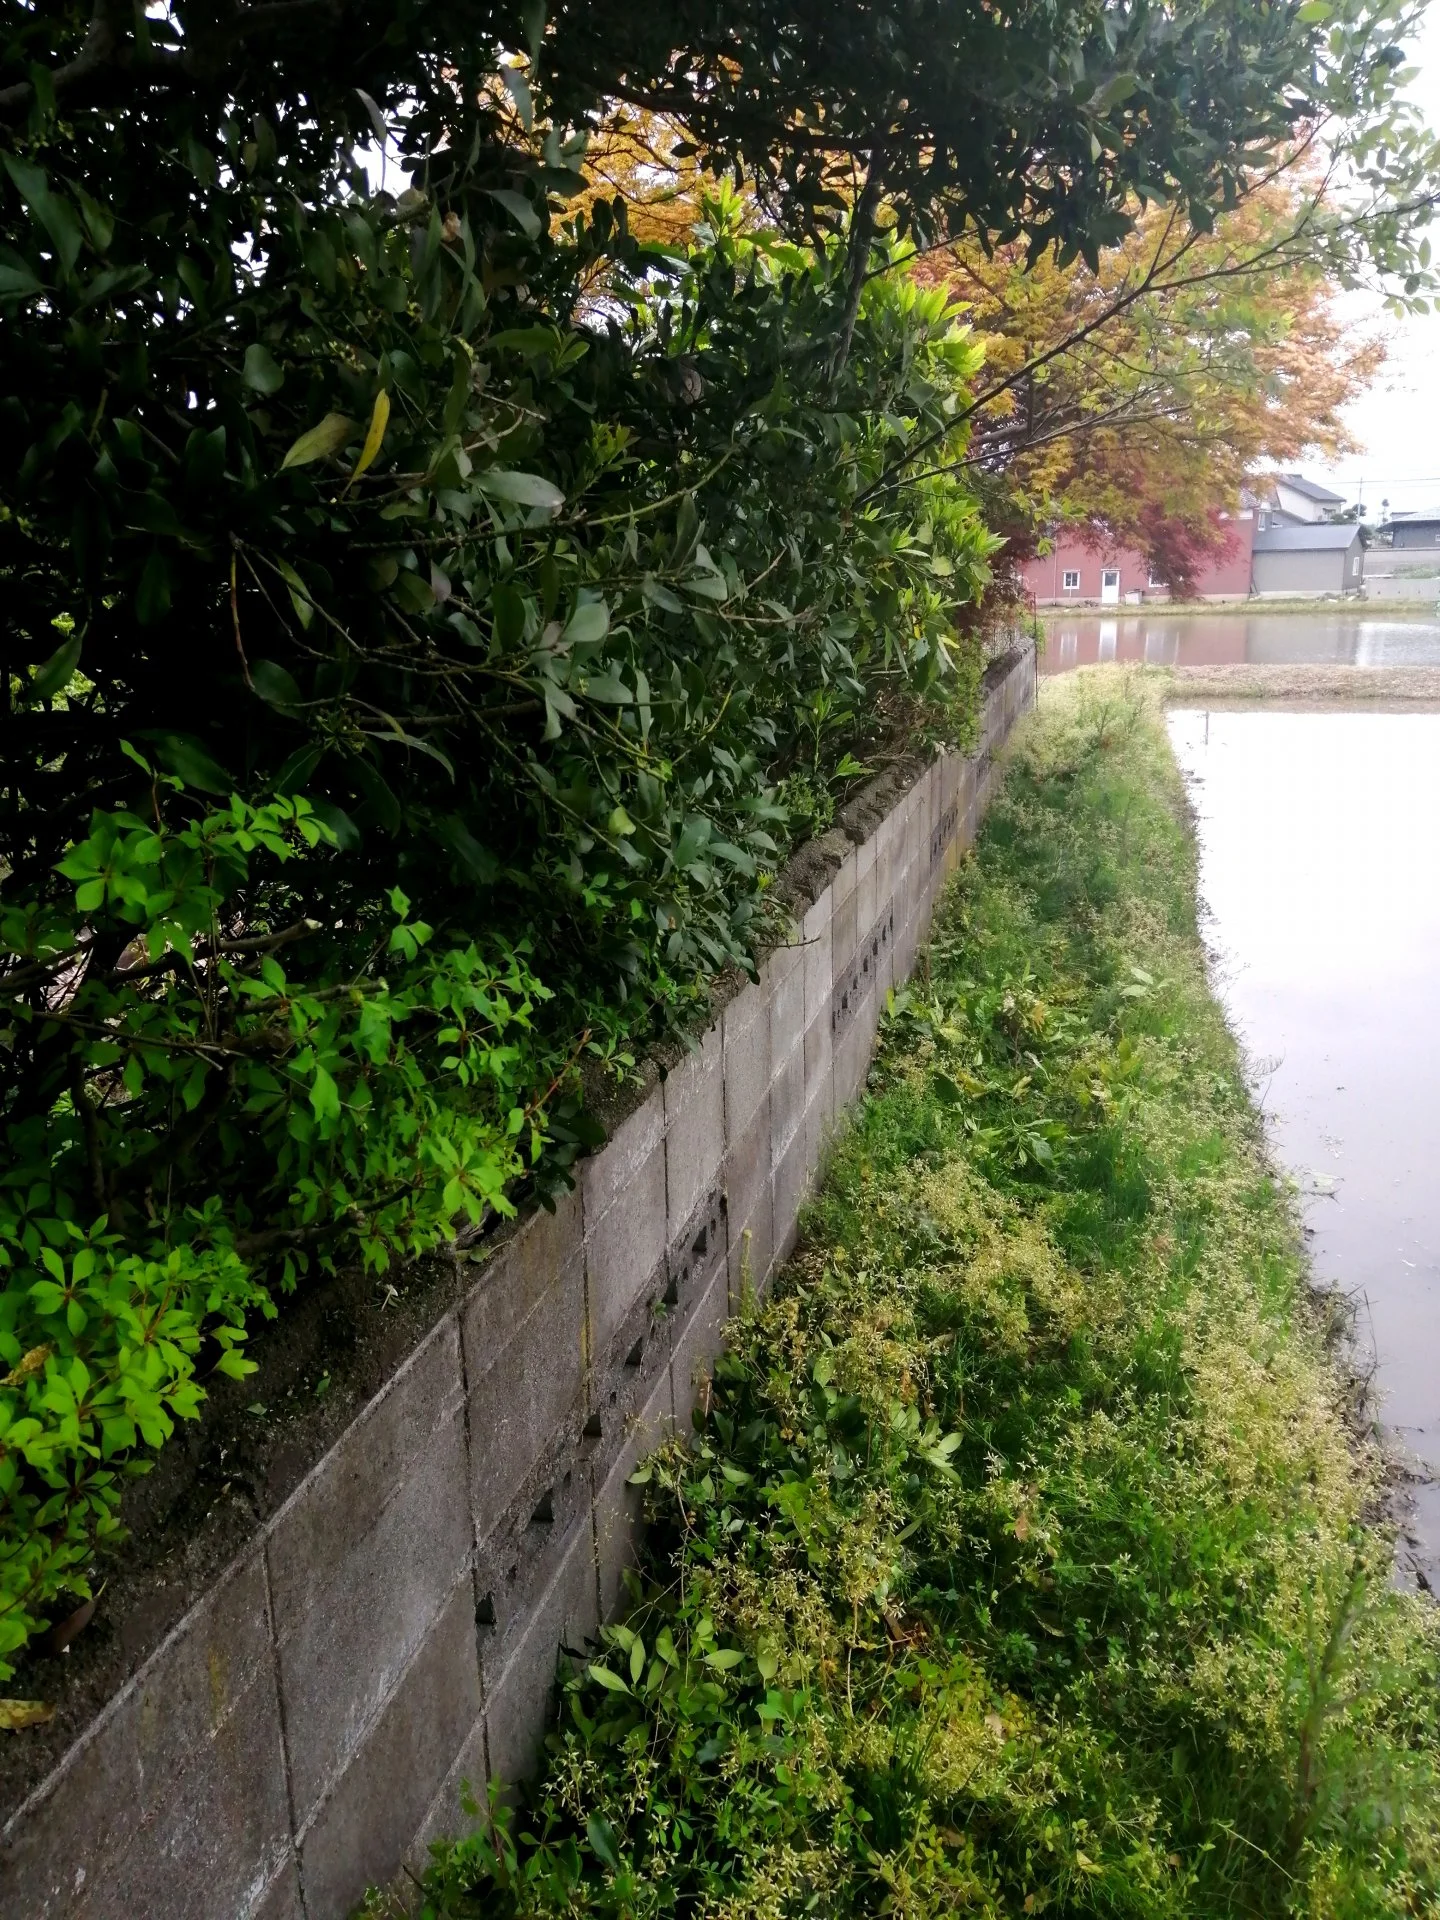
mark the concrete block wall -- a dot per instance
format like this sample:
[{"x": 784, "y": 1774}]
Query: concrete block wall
[{"x": 392, "y": 1633}]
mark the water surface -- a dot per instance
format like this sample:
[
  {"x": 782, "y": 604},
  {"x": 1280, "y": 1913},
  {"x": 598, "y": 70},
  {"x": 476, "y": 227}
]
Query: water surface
[
  {"x": 1219, "y": 639},
  {"x": 1320, "y": 875}
]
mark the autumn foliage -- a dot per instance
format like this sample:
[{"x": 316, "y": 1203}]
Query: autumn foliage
[{"x": 1144, "y": 415}]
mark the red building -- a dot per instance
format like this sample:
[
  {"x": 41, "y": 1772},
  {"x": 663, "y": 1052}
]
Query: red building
[{"x": 1086, "y": 568}]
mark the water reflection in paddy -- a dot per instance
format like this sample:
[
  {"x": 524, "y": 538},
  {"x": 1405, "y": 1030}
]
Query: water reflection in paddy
[
  {"x": 1319, "y": 871},
  {"x": 1218, "y": 639}
]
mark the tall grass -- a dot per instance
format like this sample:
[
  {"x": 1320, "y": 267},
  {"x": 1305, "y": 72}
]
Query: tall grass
[{"x": 1026, "y": 1560}]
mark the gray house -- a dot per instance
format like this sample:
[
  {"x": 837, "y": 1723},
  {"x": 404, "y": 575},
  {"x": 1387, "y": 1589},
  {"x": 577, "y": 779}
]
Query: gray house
[
  {"x": 1295, "y": 499},
  {"x": 1416, "y": 530},
  {"x": 1308, "y": 560}
]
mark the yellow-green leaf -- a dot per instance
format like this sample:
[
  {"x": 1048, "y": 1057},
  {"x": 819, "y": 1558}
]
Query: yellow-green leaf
[
  {"x": 374, "y": 435},
  {"x": 15, "y": 1714},
  {"x": 320, "y": 442}
]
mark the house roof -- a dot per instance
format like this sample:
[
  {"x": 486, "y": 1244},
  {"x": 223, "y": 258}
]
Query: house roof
[
  {"x": 1310, "y": 488},
  {"x": 1318, "y": 539},
  {"x": 1418, "y": 516}
]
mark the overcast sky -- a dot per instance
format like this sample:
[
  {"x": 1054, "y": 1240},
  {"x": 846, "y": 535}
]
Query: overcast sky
[{"x": 1397, "y": 423}]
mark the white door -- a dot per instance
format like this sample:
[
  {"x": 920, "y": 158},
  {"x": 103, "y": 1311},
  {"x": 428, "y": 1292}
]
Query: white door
[{"x": 1110, "y": 587}]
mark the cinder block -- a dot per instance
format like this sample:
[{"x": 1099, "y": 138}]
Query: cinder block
[
  {"x": 694, "y": 1100},
  {"x": 370, "y": 1816},
  {"x": 362, "y": 1558},
  {"x": 866, "y": 900},
  {"x": 62, "y": 1848},
  {"x": 281, "y": 1899},
  {"x": 820, "y": 1061},
  {"x": 844, "y": 934},
  {"x": 746, "y": 1031},
  {"x": 179, "y": 1784},
  {"x": 906, "y": 948},
  {"x": 852, "y": 1060},
  {"x": 617, "y": 1503},
  {"x": 819, "y": 1089},
  {"x": 748, "y": 1212},
  {"x": 698, "y": 1252},
  {"x": 448, "y": 1817},
  {"x": 791, "y": 1186},
  {"x": 519, "y": 1703},
  {"x": 785, "y": 976},
  {"x": 692, "y": 1364},
  {"x": 887, "y": 865},
  {"x": 819, "y": 963},
  {"x": 527, "y": 1390},
  {"x": 514, "y": 1566},
  {"x": 787, "y": 1096},
  {"x": 949, "y": 780},
  {"x": 623, "y": 1191},
  {"x": 519, "y": 1276}
]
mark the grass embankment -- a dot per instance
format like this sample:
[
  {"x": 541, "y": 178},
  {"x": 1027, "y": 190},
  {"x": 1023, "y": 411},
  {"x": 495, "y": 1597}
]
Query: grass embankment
[{"x": 1022, "y": 1565}]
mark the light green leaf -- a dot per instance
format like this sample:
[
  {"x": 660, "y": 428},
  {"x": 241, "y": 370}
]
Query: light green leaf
[
  {"x": 525, "y": 489},
  {"x": 608, "y": 687},
  {"x": 324, "y": 1095},
  {"x": 519, "y": 91},
  {"x": 607, "y": 1678},
  {"x": 320, "y": 442},
  {"x": 374, "y": 436},
  {"x": 588, "y": 624},
  {"x": 57, "y": 671}
]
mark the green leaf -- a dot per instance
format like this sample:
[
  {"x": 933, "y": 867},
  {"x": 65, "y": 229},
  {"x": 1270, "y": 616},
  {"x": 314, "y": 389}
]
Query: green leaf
[
  {"x": 183, "y": 755},
  {"x": 694, "y": 838},
  {"x": 601, "y": 1836},
  {"x": 324, "y": 1095},
  {"x": 321, "y": 441},
  {"x": 18, "y": 283},
  {"x": 709, "y": 586},
  {"x": 262, "y": 375},
  {"x": 274, "y": 685},
  {"x": 1113, "y": 92},
  {"x": 525, "y": 489},
  {"x": 58, "y": 670},
  {"x": 611, "y": 1681},
  {"x": 608, "y": 687},
  {"x": 519, "y": 91},
  {"x": 53, "y": 212},
  {"x": 660, "y": 596},
  {"x": 519, "y": 209},
  {"x": 588, "y": 624},
  {"x": 374, "y": 437},
  {"x": 152, "y": 597}
]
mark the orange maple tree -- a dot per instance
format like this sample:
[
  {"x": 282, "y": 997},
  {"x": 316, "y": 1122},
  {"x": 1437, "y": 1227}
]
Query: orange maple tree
[{"x": 1140, "y": 398}]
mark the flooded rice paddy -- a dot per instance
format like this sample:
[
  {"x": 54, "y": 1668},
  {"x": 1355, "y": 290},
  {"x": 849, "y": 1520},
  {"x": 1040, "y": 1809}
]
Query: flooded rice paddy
[
  {"x": 1320, "y": 877},
  {"x": 1229, "y": 639}
]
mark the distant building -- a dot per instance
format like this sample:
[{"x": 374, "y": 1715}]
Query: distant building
[
  {"x": 1302, "y": 560},
  {"x": 1416, "y": 529},
  {"x": 1086, "y": 565},
  {"x": 1284, "y": 540},
  {"x": 1299, "y": 501}
]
